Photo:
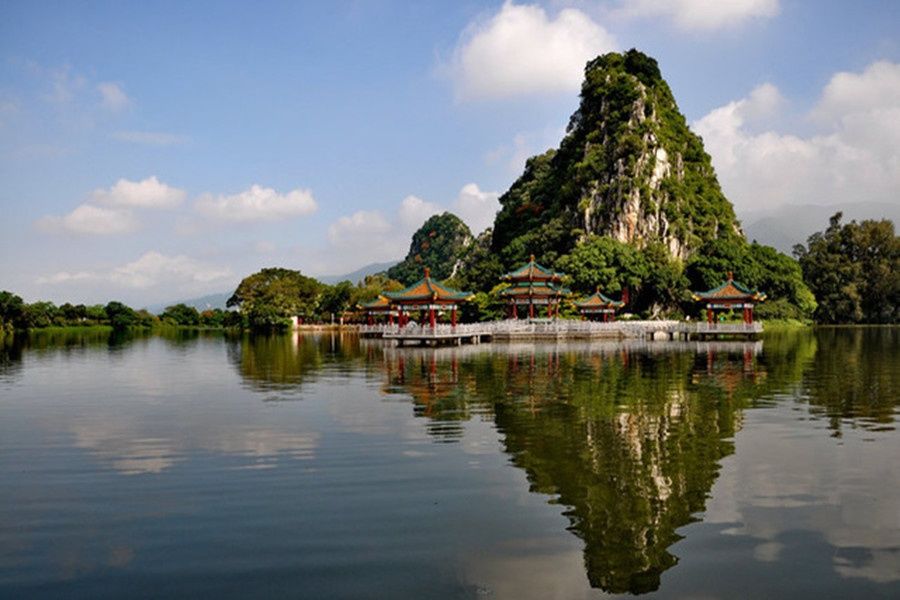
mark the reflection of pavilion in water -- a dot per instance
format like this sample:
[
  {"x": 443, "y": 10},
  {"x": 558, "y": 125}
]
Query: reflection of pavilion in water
[{"x": 622, "y": 434}]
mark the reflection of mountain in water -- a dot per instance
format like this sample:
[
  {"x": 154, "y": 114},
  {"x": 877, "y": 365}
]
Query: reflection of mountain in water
[{"x": 629, "y": 442}]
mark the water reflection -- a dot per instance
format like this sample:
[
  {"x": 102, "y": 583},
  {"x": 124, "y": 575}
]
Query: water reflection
[
  {"x": 10, "y": 359},
  {"x": 748, "y": 457},
  {"x": 629, "y": 437}
]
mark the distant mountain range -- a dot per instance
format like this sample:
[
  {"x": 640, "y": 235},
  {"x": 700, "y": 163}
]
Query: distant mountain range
[
  {"x": 789, "y": 225},
  {"x": 218, "y": 300},
  {"x": 359, "y": 274}
]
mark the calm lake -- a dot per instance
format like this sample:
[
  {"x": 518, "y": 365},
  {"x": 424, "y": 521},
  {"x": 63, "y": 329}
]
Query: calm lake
[{"x": 202, "y": 465}]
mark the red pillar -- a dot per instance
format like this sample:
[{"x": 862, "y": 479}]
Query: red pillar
[
  {"x": 453, "y": 317},
  {"x": 530, "y": 309},
  {"x": 431, "y": 317},
  {"x": 390, "y": 318},
  {"x": 709, "y": 316},
  {"x": 370, "y": 320},
  {"x": 401, "y": 318}
]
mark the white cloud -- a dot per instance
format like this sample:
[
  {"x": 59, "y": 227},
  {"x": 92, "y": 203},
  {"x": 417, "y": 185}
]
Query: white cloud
[
  {"x": 359, "y": 228},
  {"x": 369, "y": 236},
  {"x": 113, "y": 97},
  {"x": 147, "y": 193},
  {"x": 702, "y": 14},
  {"x": 414, "y": 211},
  {"x": 66, "y": 277},
  {"x": 88, "y": 219},
  {"x": 876, "y": 88},
  {"x": 150, "y": 138},
  {"x": 854, "y": 155},
  {"x": 258, "y": 204},
  {"x": 476, "y": 207},
  {"x": 152, "y": 269},
  {"x": 109, "y": 212},
  {"x": 521, "y": 50}
]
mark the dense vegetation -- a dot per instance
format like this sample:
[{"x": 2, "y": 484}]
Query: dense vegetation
[
  {"x": 854, "y": 271},
  {"x": 269, "y": 298},
  {"x": 439, "y": 243},
  {"x": 15, "y": 314}
]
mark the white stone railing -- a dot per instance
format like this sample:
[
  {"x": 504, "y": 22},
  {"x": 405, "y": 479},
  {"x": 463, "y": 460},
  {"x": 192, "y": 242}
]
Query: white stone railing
[{"x": 561, "y": 327}]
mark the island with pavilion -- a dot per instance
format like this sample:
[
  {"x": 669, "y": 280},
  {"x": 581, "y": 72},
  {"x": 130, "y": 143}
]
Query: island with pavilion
[{"x": 538, "y": 287}]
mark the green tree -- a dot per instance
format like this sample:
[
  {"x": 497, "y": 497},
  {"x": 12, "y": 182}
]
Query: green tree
[
  {"x": 96, "y": 314},
  {"x": 144, "y": 318},
  {"x": 270, "y": 297},
  {"x": 369, "y": 288},
  {"x": 120, "y": 316},
  {"x": 182, "y": 315},
  {"x": 214, "y": 317},
  {"x": 39, "y": 314},
  {"x": 854, "y": 271},
  {"x": 11, "y": 308},
  {"x": 605, "y": 263},
  {"x": 336, "y": 299}
]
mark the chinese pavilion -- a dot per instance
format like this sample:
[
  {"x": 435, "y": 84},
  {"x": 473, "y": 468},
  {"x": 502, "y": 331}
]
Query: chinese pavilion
[
  {"x": 378, "y": 307},
  {"x": 728, "y": 296},
  {"x": 533, "y": 285},
  {"x": 427, "y": 295},
  {"x": 599, "y": 307}
]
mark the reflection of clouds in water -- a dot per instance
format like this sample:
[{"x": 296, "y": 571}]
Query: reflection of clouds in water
[
  {"x": 128, "y": 449},
  {"x": 538, "y": 574},
  {"x": 120, "y": 444},
  {"x": 264, "y": 443},
  {"x": 773, "y": 485}
]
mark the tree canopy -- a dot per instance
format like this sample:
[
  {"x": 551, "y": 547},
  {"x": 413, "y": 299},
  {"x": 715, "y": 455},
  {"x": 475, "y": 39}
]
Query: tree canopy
[
  {"x": 271, "y": 296},
  {"x": 854, "y": 271}
]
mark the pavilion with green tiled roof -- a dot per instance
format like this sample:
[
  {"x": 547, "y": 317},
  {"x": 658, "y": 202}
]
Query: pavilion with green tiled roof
[
  {"x": 728, "y": 296},
  {"x": 427, "y": 294},
  {"x": 599, "y": 306},
  {"x": 533, "y": 285},
  {"x": 378, "y": 307}
]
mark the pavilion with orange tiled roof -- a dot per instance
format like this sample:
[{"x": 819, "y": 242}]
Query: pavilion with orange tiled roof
[
  {"x": 599, "y": 306},
  {"x": 533, "y": 285},
  {"x": 378, "y": 307},
  {"x": 427, "y": 294},
  {"x": 728, "y": 296}
]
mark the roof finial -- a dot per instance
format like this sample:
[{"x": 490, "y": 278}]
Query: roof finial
[
  {"x": 730, "y": 276},
  {"x": 532, "y": 258},
  {"x": 427, "y": 272},
  {"x": 598, "y": 288}
]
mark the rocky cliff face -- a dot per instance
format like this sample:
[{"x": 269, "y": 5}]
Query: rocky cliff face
[{"x": 629, "y": 168}]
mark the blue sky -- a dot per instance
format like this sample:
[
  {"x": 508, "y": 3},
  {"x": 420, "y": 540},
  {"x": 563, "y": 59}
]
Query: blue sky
[{"x": 153, "y": 151}]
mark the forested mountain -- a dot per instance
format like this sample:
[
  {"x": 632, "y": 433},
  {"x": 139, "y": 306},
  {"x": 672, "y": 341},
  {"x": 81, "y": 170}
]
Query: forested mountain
[
  {"x": 629, "y": 199},
  {"x": 438, "y": 244}
]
